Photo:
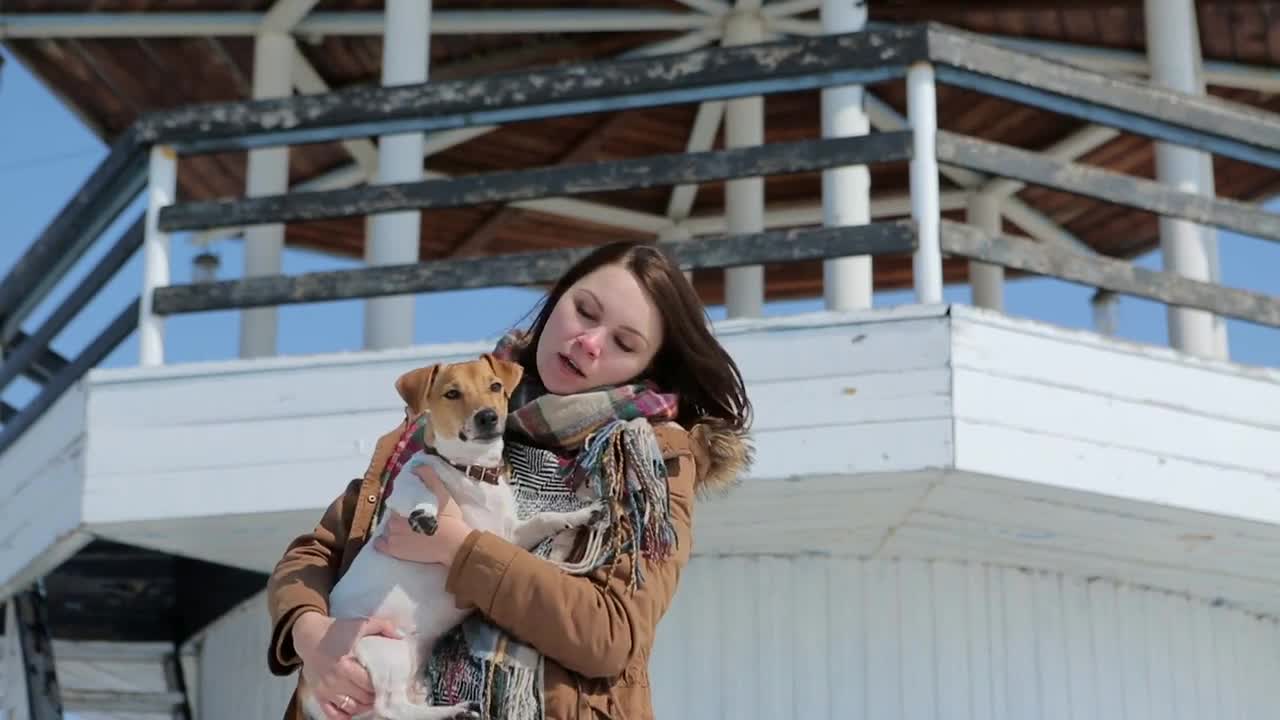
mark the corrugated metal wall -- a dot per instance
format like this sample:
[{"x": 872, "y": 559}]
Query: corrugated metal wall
[{"x": 818, "y": 637}]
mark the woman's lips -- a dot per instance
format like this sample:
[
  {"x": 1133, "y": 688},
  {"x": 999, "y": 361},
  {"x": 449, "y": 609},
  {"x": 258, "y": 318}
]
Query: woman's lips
[{"x": 567, "y": 365}]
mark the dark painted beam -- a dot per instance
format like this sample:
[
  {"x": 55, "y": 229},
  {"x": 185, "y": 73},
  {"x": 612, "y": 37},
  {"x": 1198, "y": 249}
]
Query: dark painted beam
[
  {"x": 44, "y": 362},
  {"x": 1224, "y": 128},
  {"x": 1107, "y": 274},
  {"x": 543, "y": 182},
  {"x": 1105, "y": 185},
  {"x": 114, "y": 334},
  {"x": 527, "y": 268},
  {"x": 44, "y": 700},
  {"x": 113, "y": 185},
  {"x": 19, "y": 358},
  {"x": 573, "y": 89}
]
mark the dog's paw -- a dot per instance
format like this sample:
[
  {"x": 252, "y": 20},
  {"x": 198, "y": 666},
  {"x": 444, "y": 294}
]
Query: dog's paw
[
  {"x": 466, "y": 711},
  {"x": 423, "y": 521},
  {"x": 593, "y": 514}
]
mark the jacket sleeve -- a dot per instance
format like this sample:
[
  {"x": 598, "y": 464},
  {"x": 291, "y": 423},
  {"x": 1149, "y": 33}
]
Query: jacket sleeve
[
  {"x": 304, "y": 576},
  {"x": 592, "y": 625}
]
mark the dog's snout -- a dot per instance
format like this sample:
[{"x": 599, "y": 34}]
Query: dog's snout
[{"x": 487, "y": 419}]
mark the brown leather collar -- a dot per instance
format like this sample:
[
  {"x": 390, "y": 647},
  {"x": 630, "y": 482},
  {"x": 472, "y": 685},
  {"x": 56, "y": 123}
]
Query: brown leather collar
[
  {"x": 482, "y": 474},
  {"x": 475, "y": 472}
]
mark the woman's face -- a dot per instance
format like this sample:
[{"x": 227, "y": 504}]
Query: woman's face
[{"x": 604, "y": 331}]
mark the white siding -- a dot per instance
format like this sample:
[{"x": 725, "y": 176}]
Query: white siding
[
  {"x": 233, "y": 680},
  {"x": 1069, "y": 409},
  {"x": 823, "y": 637},
  {"x": 829, "y": 637}
]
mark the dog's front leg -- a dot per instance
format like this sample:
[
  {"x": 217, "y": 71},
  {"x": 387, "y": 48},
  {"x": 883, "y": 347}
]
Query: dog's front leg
[
  {"x": 423, "y": 515},
  {"x": 534, "y": 529}
]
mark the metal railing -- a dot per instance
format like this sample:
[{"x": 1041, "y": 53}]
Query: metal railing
[{"x": 920, "y": 54}]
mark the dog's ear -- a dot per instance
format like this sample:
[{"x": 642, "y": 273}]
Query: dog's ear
[
  {"x": 414, "y": 386},
  {"x": 508, "y": 372}
]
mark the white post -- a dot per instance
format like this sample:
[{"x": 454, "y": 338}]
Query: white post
[
  {"x": 162, "y": 185},
  {"x": 388, "y": 321},
  {"x": 1208, "y": 184},
  {"x": 1173, "y": 48},
  {"x": 267, "y": 174},
  {"x": 922, "y": 116},
  {"x": 986, "y": 280},
  {"x": 744, "y": 198},
  {"x": 1104, "y": 312},
  {"x": 847, "y": 283}
]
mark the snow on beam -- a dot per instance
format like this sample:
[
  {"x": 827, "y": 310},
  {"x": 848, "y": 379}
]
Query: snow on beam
[
  {"x": 1108, "y": 274},
  {"x": 545, "y": 182},
  {"x": 1220, "y": 127},
  {"x": 566, "y": 90},
  {"x": 527, "y": 268},
  {"x": 1105, "y": 185}
]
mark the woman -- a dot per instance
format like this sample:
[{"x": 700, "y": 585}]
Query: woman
[{"x": 623, "y": 325}]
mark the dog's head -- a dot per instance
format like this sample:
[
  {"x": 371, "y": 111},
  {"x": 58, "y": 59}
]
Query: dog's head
[{"x": 467, "y": 402}]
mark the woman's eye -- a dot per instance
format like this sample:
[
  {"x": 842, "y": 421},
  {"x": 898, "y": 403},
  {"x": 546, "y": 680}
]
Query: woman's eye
[
  {"x": 622, "y": 346},
  {"x": 452, "y": 395},
  {"x": 496, "y": 387},
  {"x": 582, "y": 310}
]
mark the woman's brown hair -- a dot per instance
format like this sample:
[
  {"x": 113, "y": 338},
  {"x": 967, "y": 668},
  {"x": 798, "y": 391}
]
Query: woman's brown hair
[{"x": 691, "y": 362}]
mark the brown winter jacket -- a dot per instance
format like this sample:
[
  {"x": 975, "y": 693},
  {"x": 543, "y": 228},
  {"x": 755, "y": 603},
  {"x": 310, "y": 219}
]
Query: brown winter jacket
[{"x": 595, "y": 634}]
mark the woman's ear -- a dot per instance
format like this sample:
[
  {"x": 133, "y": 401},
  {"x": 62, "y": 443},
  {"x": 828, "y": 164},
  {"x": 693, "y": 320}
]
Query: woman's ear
[
  {"x": 414, "y": 386},
  {"x": 508, "y": 372}
]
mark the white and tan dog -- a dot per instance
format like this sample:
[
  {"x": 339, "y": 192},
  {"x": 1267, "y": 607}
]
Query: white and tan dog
[{"x": 467, "y": 406}]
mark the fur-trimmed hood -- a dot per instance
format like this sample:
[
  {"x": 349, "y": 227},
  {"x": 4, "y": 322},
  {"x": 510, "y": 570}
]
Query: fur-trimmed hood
[{"x": 721, "y": 455}]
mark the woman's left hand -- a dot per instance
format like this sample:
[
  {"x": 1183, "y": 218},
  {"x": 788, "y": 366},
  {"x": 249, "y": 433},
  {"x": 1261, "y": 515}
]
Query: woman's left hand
[{"x": 400, "y": 540}]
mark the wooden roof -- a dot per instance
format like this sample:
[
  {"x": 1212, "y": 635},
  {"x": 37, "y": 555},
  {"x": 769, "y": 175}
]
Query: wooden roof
[{"x": 108, "y": 82}]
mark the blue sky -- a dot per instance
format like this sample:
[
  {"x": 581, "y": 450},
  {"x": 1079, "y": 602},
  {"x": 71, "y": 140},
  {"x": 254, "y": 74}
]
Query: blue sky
[{"x": 45, "y": 153}]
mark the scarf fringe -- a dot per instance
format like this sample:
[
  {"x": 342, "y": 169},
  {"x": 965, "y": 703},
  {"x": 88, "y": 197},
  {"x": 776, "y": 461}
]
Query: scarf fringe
[{"x": 622, "y": 462}]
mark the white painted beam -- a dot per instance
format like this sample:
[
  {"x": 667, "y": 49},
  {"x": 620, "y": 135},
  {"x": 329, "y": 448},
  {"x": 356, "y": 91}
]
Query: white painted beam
[
  {"x": 267, "y": 174},
  {"x": 804, "y": 214},
  {"x": 393, "y": 238},
  {"x": 683, "y": 43},
  {"x": 1078, "y": 143},
  {"x": 307, "y": 80},
  {"x": 706, "y": 124},
  {"x": 162, "y": 186},
  {"x": 848, "y": 283},
  {"x": 922, "y": 115},
  {"x": 744, "y": 197},
  {"x": 285, "y": 15},
  {"x": 884, "y": 118},
  {"x": 28, "y": 26},
  {"x": 1039, "y": 226},
  {"x": 799, "y": 7},
  {"x": 714, "y": 8},
  {"x": 1174, "y": 49},
  {"x": 986, "y": 280}
]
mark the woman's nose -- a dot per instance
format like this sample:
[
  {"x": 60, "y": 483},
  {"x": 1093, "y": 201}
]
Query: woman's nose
[{"x": 591, "y": 342}]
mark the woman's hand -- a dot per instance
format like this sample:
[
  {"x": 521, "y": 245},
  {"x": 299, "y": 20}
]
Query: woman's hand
[
  {"x": 400, "y": 540},
  {"x": 337, "y": 679}
]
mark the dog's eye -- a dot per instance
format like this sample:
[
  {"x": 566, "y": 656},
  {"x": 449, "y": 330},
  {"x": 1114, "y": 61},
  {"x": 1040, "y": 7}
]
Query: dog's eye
[
  {"x": 496, "y": 387},
  {"x": 453, "y": 394}
]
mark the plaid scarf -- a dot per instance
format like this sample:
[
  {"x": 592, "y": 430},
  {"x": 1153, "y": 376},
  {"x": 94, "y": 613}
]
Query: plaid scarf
[{"x": 605, "y": 446}]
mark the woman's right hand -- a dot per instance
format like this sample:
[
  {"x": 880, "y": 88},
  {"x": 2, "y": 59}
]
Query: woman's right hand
[{"x": 333, "y": 675}]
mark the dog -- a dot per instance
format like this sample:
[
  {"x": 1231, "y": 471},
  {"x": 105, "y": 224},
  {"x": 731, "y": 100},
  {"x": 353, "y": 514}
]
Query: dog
[{"x": 466, "y": 405}]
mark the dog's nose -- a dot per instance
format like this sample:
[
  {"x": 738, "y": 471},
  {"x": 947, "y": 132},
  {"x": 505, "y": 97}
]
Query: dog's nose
[{"x": 487, "y": 419}]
